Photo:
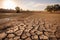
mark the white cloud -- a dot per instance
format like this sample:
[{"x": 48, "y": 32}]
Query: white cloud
[
  {"x": 40, "y": 4},
  {"x": 32, "y": 5}
]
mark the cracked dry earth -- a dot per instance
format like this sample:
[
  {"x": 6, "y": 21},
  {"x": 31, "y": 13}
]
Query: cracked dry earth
[{"x": 30, "y": 29}]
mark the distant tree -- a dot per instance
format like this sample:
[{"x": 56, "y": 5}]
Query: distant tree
[
  {"x": 52, "y": 8},
  {"x": 56, "y": 7},
  {"x": 49, "y": 8},
  {"x": 17, "y": 10}
]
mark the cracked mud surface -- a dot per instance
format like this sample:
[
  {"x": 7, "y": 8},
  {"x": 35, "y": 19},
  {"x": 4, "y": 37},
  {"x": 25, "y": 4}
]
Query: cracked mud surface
[{"x": 31, "y": 29}]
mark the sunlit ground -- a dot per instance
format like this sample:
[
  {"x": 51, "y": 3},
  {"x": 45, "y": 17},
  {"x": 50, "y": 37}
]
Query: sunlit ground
[
  {"x": 52, "y": 20},
  {"x": 49, "y": 16}
]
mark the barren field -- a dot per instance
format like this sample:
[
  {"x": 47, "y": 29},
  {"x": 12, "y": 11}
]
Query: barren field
[{"x": 30, "y": 26}]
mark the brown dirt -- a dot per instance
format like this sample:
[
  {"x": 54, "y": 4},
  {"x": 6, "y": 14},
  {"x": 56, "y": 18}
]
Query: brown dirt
[{"x": 36, "y": 26}]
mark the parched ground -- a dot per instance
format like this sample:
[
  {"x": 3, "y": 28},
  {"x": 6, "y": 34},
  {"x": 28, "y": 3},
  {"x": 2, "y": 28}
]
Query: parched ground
[{"x": 36, "y": 26}]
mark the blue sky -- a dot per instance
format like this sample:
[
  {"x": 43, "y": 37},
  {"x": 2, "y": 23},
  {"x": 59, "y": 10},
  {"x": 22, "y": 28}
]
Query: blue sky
[{"x": 34, "y": 4}]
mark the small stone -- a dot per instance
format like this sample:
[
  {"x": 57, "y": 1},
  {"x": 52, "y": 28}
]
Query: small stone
[
  {"x": 24, "y": 36},
  {"x": 43, "y": 37},
  {"x": 15, "y": 28},
  {"x": 22, "y": 24},
  {"x": 39, "y": 33},
  {"x": 3, "y": 35},
  {"x": 27, "y": 30},
  {"x": 16, "y": 37},
  {"x": 28, "y": 27},
  {"x": 11, "y": 36},
  {"x": 46, "y": 33},
  {"x": 32, "y": 32},
  {"x": 28, "y": 38},
  {"x": 9, "y": 31},
  {"x": 21, "y": 28},
  {"x": 41, "y": 28},
  {"x": 36, "y": 27},
  {"x": 28, "y": 34},
  {"x": 35, "y": 37},
  {"x": 19, "y": 32},
  {"x": 11, "y": 39}
]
